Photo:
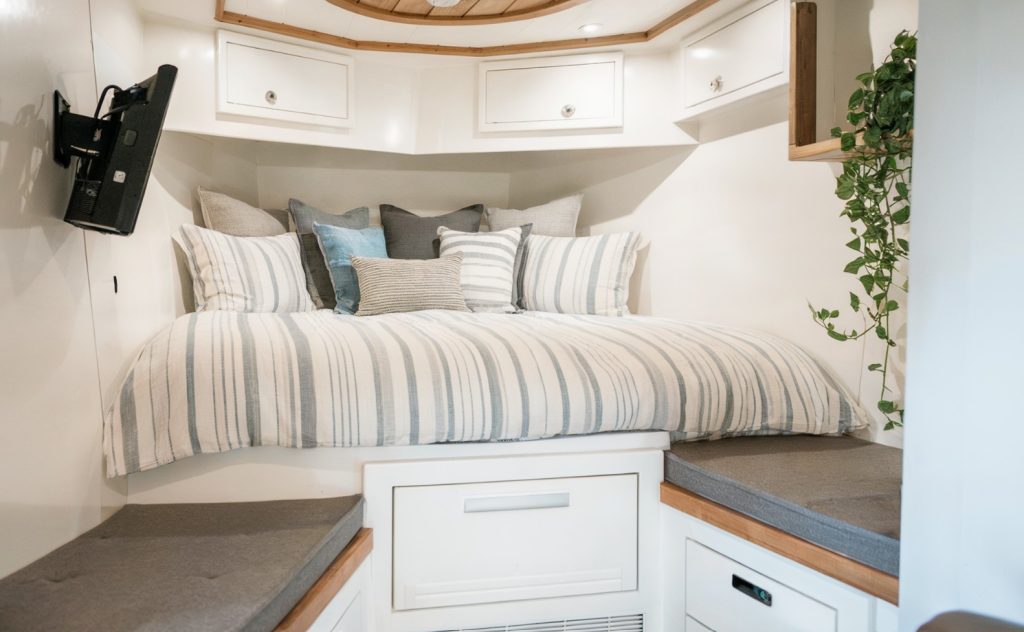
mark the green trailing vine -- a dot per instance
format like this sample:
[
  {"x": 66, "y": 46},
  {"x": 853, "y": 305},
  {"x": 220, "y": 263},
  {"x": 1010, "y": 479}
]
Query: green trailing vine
[{"x": 875, "y": 184}]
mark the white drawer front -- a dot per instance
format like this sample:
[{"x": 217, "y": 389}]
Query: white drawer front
[
  {"x": 505, "y": 541},
  {"x": 552, "y": 93},
  {"x": 275, "y": 80},
  {"x": 740, "y": 54},
  {"x": 717, "y": 595}
]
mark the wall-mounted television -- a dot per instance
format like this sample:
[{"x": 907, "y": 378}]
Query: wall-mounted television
[{"x": 115, "y": 152}]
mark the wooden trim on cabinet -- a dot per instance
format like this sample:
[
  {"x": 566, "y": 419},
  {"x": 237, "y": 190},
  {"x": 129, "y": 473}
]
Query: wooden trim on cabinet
[
  {"x": 449, "y": 19},
  {"x": 803, "y": 74},
  {"x": 870, "y": 580},
  {"x": 305, "y": 613},
  {"x": 280, "y": 28}
]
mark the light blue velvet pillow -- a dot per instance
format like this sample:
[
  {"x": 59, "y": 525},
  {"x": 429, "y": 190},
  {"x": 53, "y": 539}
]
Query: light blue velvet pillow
[{"x": 339, "y": 245}]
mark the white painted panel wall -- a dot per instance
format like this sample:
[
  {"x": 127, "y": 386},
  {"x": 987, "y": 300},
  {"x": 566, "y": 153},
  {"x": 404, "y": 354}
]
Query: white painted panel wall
[
  {"x": 962, "y": 510},
  {"x": 50, "y": 461}
]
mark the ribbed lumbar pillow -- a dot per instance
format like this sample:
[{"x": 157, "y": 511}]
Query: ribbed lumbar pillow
[{"x": 389, "y": 286}]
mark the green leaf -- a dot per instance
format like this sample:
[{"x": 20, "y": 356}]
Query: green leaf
[
  {"x": 854, "y": 302},
  {"x": 868, "y": 282},
  {"x": 891, "y": 306},
  {"x": 854, "y": 266},
  {"x": 902, "y": 189},
  {"x": 854, "y": 244},
  {"x": 874, "y": 367},
  {"x": 886, "y": 406},
  {"x": 856, "y": 98},
  {"x": 837, "y": 335},
  {"x": 836, "y": 132},
  {"x": 834, "y": 314},
  {"x": 847, "y": 142},
  {"x": 902, "y": 216},
  {"x": 881, "y": 333}
]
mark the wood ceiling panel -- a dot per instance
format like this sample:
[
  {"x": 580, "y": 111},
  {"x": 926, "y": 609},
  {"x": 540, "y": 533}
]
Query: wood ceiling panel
[
  {"x": 413, "y": 7},
  {"x": 490, "y": 7},
  {"x": 459, "y": 10},
  {"x": 465, "y": 12}
]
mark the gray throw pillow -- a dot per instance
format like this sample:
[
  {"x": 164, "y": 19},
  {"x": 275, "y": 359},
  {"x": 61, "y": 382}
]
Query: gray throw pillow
[
  {"x": 391, "y": 286},
  {"x": 409, "y": 236},
  {"x": 225, "y": 214},
  {"x": 517, "y": 269},
  {"x": 318, "y": 278},
  {"x": 554, "y": 219}
]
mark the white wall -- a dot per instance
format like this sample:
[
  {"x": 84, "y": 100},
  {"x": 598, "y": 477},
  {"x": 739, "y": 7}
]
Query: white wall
[
  {"x": 962, "y": 512},
  {"x": 51, "y": 485}
]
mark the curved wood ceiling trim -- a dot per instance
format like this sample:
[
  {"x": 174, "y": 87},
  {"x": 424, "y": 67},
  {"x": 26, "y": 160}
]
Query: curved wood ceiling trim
[
  {"x": 467, "y": 12},
  {"x": 279, "y": 28}
]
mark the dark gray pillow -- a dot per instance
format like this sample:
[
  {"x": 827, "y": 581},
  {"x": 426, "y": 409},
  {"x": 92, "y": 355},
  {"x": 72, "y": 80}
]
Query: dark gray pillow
[
  {"x": 318, "y": 279},
  {"x": 517, "y": 267},
  {"x": 409, "y": 236}
]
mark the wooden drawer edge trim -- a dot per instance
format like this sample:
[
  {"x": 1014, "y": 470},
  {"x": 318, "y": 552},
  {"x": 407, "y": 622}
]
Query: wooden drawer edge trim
[
  {"x": 305, "y": 613},
  {"x": 870, "y": 580}
]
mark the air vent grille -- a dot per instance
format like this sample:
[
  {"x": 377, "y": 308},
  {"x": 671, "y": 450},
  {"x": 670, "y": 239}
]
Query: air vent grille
[{"x": 625, "y": 623}]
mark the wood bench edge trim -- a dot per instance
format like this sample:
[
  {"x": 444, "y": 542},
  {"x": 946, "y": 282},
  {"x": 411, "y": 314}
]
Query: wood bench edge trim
[
  {"x": 305, "y": 613},
  {"x": 872, "y": 581}
]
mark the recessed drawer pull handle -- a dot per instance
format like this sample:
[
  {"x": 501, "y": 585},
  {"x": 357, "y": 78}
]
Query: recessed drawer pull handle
[
  {"x": 516, "y": 502},
  {"x": 271, "y": 97},
  {"x": 716, "y": 84},
  {"x": 752, "y": 591}
]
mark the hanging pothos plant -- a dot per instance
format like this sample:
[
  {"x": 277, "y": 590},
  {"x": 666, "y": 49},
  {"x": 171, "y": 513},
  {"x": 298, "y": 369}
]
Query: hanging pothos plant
[{"x": 875, "y": 184}]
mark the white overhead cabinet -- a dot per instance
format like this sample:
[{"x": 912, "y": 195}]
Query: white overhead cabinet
[
  {"x": 551, "y": 93},
  {"x": 266, "y": 79},
  {"x": 744, "y": 54}
]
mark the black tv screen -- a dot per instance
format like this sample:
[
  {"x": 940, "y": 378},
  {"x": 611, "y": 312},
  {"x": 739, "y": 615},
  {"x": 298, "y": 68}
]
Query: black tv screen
[{"x": 114, "y": 163}]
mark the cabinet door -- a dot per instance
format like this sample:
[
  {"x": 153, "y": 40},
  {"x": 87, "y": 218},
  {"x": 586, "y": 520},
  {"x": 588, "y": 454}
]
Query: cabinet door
[
  {"x": 725, "y": 595},
  {"x": 578, "y": 91},
  {"x": 741, "y": 53},
  {"x": 273, "y": 80},
  {"x": 506, "y": 541}
]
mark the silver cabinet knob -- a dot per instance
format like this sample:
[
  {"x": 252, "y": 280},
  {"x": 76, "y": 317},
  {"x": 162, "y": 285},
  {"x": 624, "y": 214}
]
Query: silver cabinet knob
[
  {"x": 271, "y": 97},
  {"x": 568, "y": 110},
  {"x": 716, "y": 84}
]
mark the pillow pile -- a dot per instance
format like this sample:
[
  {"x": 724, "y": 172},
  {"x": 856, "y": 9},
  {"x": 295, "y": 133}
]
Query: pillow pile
[{"x": 530, "y": 259}]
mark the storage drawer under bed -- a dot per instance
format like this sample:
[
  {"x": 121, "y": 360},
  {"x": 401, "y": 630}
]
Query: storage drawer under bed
[
  {"x": 502, "y": 541},
  {"x": 722, "y": 595}
]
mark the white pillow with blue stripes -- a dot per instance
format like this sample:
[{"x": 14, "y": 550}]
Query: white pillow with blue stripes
[{"x": 245, "y": 274}]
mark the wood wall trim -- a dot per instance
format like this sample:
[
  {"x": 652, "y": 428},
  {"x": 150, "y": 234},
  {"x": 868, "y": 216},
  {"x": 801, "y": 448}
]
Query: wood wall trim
[
  {"x": 803, "y": 74},
  {"x": 851, "y": 572},
  {"x": 444, "y": 17},
  {"x": 305, "y": 612},
  {"x": 280, "y": 28}
]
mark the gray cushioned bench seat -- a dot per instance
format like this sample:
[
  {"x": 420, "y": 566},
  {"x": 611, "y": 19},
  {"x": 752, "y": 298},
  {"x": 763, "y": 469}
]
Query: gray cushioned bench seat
[
  {"x": 182, "y": 568},
  {"x": 840, "y": 493}
]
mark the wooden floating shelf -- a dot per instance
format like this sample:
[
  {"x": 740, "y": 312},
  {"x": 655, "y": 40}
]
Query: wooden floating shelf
[{"x": 821, "y": 151}]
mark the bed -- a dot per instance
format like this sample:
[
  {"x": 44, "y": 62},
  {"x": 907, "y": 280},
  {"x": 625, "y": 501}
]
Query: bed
[{"x": 218, "y": 381}]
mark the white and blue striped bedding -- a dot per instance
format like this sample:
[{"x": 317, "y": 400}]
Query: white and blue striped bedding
[{"x": 217, "y": 381}]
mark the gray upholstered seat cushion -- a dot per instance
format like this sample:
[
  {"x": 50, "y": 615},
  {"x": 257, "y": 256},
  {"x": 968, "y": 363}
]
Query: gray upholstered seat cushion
[
  {"x": 410, "y": 236},
  {"x": 222, "y": 566},
  {"x": 318, "y": 278},
  {"x": 841, "y": 493}
]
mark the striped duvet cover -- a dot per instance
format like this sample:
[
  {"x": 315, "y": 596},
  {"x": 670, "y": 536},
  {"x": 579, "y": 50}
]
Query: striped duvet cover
[{"x": 217, "y": 381}]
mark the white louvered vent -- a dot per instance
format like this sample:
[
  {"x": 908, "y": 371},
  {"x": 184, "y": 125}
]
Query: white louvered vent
[{"x": 625, "y": 623}]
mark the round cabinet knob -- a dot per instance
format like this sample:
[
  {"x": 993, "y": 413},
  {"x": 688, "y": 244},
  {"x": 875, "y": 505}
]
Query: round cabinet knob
[
  {"x": 716, "y": 84},
  {"x": 271, "y": 97},
  {"x": 568, "y": 110}
]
